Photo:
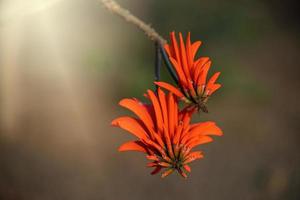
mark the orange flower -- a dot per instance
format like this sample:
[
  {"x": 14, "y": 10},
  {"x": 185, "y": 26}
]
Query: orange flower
[
  {"x": 191, "y": 73},
  {"x": 164, "y": 133}
]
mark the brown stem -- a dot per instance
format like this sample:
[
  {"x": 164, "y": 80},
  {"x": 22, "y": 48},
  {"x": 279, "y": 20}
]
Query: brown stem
[{"x": 115, "y": 8}]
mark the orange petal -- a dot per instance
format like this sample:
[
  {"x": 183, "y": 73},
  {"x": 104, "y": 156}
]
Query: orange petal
[
  {"x": 213, "y": 79},
  {"x": 180, "y": 72},
  {"x": 193, "y": 156},
  {"x": 133, "y": 146},
  {"x": 198, "y": 66},
  {"x": 205, "y": 128},
  {"x": 131, "y": 125},
  {"x": 189, "y": 51},
  {"x": 202, "y": 77},
  {"x": 140, "y": 110},
  {"x": 164, "y": 164},
  {"x": 199, "y": 140},
  {"x": 170, "y": 88},
  {"x": 151, "y": 164},
  {"x": 158, "y": 138},
  {"x": 195, "y": 47},
  {"x": 175, "y": 47},
  {"x": 157, "y": 110},
  {"x": 171, "y": 116},
  {"x": 152, "y": 157},
  {"x": 155, "y": 146},
  {"x": 213, "y": 88},
  {"x": 182, "y": 173},
  {"x": 164, "y": 107},
  {"x": 177, "y": 134},
  {"x": 184, "y": 58},
  {"x": 167, "y": 173},
  {"x": 187, "y": 168}
]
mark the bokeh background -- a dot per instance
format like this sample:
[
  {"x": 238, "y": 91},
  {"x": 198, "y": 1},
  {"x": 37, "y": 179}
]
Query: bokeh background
[{"x": 65, "y": 64}]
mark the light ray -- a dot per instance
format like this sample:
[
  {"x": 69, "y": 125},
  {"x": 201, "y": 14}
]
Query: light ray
[{"x": 17, "y": 9}]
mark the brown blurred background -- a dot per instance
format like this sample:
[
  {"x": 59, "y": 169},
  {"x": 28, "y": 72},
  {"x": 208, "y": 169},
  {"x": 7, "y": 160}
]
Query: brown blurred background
[{"x": 65, "y": 64}]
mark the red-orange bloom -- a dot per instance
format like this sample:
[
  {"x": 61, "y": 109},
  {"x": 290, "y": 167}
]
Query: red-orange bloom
[
  {"x": 164, "y": 133},
  {"x": 194, "y": 89}
]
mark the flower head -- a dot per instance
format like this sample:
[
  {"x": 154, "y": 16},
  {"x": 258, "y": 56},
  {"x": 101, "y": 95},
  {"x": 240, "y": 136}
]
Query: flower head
[
  {"x": 193, "y": 87},
  {"x": 164, "y": 133}
]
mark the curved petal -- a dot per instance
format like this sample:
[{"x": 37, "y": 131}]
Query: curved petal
[
  {"x": 181, "y": 75},
  {"x": 171, "y": 117},
  {"x": 205, "y": 128},
  {"x": 131, "y": 125},
  {"x": 213, "y": 88},
  {"x": 202, "y": 76},
  {"x": 164, "y": 107},
  {"x": 171, "y": 88},
  {"x": 140, "y": 110},
  {"x": 193, "y": 156},
  {"x": 198, "y": 66},
  {"x": 184, "y": 62},
  {"x": 190, "y": 60},
  {"x": 157, "y": 110},
  {"x": 175, "y": 47},
  {"x": 213, "y": 79},
  {"x": 133, "y": 146},
  {"x": 195, "y": 47},
  {"x": 187, "y": 168},
  {"x": 198, "y": 140}
]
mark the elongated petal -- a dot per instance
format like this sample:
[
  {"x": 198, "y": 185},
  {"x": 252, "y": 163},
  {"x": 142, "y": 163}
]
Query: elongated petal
[
  {"x": 131, "y": 125},
  {"x": 184, "y": 58},
  {"x": 164, "y": 107},
  {"x": 213, "y": 88},
  {"x": 167, "y": 173},
  {"x": 171, "y": 88},
  {"x": 151, "y": 164},
  {"x": 213, "y": 79},
  {"x": 198, "y": 66},
  {"x": 187, "y": 168},
  {"x": 195, "y": 47},
  {"x": 171, "y": 116},
  {"x": 157, "y": 110},
  {"x": 205, "y": 128},
  {"x": 189, "y": 55},
  {"x": 175, "y": 47},
  {"x": 177, "y": 134},
  {"x": 133, "y": 146},
  {"x": 179, "y": 70},
  {"x": 202, "y": 77},
  {"x": 164, "y": 164},
  {"x": 182, "y": 173},
  {"x": 199, "y": 140},
  {"x": 152, "y": 157},
  {"x": 140, "y": 110},
  {"x": 155, "y": 146},
  {"x": 193, "y": 156}
]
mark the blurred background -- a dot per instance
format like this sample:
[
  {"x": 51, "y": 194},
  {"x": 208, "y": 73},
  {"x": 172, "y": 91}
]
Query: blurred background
[{"x": 65, "y": 64}]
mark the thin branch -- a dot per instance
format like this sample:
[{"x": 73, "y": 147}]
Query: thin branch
[
  {"x": 115, "y": 8},
  {"x": 157, "y": 63}
]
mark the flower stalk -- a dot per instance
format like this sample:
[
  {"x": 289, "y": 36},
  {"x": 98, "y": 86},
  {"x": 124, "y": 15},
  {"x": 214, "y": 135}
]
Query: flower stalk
[{"x": 115, "y": 8}]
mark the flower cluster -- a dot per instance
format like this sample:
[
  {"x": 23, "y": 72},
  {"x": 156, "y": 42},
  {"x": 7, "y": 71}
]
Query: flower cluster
[
  {"x": 163, "y": 129},
  {"x": 193, "y": 88}
]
